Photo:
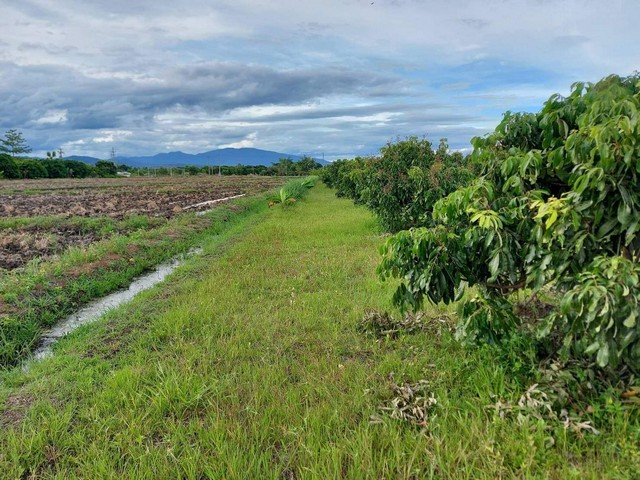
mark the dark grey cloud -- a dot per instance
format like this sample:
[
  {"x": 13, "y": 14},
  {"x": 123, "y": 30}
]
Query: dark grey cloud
[
  {"x": 209, "y": 90},
  {"x": 101, "y": 102},
  {"x": 227, "y": 85}
]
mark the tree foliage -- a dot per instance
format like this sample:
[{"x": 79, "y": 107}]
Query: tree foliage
[
  {"x": 557, "y": 207},
  {"x": 14, "y": 143},
  {"x": 401, "y": 185},
  {"x": 14, "y": 168},
  {"x": 347, "y": 177},
  {"x": 106, "y": 168},
  {"x": 8, "y": 166}
]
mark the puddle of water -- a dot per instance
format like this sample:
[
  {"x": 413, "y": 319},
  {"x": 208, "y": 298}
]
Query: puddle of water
[
  {"x": 211, "y": 202},
  {"x": 94, "y": 310}
]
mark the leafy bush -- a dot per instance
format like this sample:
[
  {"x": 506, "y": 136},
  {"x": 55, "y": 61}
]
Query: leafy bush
[
  {"x": 31, "y": 168},
  {"x": 347, "y": 177},
  {"x": 106, "y": 168},
  {"x": 36, "y": 168},
  {"x": 557, "y": 207},
  {"x": 408, "y": 178},
  {"x": 402, "y": 184},
  {"x": 8, "y": 166}
]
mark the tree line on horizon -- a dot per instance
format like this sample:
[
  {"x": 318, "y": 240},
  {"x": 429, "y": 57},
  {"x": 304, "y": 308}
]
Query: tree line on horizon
[{"x": 13, "y": 166}]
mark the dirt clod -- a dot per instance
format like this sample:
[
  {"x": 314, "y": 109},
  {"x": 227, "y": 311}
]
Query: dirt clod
[{"x": 16, "y": 407}]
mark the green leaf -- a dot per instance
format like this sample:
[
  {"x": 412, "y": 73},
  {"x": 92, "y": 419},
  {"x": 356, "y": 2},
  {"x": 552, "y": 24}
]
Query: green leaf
[
  {"x": 591, "y": 349},
  {"x": 494, "y": 264},
  {"x": 603, "y": 356},
  {"x": 552, "y": 219},
  {"x": 630, "y": 321},
  {"x": 625, "y": 215}
]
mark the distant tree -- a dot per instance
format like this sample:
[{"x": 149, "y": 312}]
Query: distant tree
[
  {"x": 8, "y": 166},
  {"x": 284, "y": 167},
  {"x": 14, "y": 143},
  {"x": 259, "y": 170},
  {"x": 78, "y": 169},
  {"x": 32, "y": 168},
  {"x": 51, "y": 155},
  {"x": 192, "y": 170},
  {"x": 305, "y": 165},
  {"x": 106, "y": 168},
  {"x": 56, "y": 168}
]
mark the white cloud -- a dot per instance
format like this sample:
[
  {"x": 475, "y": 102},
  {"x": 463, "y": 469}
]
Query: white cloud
[
  {"x": 111, "y": 136},
  {"x": 52, "y": 116},
  {"x": 247, "y": 142}
]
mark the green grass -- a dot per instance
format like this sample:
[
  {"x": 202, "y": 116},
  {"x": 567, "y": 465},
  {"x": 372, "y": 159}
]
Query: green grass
[{"x": 249, "y": 363}]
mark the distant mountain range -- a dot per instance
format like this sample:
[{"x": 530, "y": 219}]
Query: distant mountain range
[{"x": 224, "y": 156}]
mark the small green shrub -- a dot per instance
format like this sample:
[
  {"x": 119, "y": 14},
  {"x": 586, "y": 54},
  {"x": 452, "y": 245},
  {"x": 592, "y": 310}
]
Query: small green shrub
[
  {"x": 292, "y": 191},
  {"x": 402, "y": 184}
]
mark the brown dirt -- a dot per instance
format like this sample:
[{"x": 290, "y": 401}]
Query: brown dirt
[
  {"x": 18, "y": 247},
  {"x": 5, "y": 308},
  {"x": 16, "y": 407},
  {"x": 533, "y": 310},
  {"x": 120, "y": 197},
  {"x": 92, "y": 267},
  {"x": 163, "y": 197}
]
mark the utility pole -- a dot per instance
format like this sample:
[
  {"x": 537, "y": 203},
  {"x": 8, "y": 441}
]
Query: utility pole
[
  {"x": 113, "y": 154},
  {"x": 60, "y": 153}
]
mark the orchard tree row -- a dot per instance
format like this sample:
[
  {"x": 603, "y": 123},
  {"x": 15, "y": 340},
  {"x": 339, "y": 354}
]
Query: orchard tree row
[{"x": 545, "y": 213}]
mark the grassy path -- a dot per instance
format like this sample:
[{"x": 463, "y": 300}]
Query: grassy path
[{"x": 248, "y": 364}]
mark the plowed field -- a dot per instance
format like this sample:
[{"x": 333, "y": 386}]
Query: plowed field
[
  {"x": 78, "y": 212},
  {"x": 121, "y": 197}
]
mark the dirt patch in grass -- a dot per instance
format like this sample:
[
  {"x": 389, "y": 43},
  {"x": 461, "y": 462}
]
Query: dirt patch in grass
[
  {"x": 533, "y": 309},
  {"x": 92, "y": 267},
  {"x": 5, "y": 308},
  {"x": 108, "y": 346},
  {"x": 16, "y": 407},
  {"x": 17, "y": 248}
]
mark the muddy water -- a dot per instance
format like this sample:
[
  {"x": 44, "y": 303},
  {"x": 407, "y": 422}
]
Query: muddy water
[{"x": 94, "y": 310}]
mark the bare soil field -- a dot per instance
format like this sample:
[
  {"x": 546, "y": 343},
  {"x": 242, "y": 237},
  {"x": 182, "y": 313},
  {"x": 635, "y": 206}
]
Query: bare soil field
[
  {"x": 79, "y": 212},
  {"x": 121, "y": 197}
]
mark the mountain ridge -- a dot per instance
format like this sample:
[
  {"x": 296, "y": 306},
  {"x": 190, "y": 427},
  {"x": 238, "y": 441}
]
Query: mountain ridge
[{"x": 223, "y": 156}]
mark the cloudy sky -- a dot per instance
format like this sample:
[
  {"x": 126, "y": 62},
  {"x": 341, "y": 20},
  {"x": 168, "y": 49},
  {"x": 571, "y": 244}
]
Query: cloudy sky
[{"x": 339, "y": 77}]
